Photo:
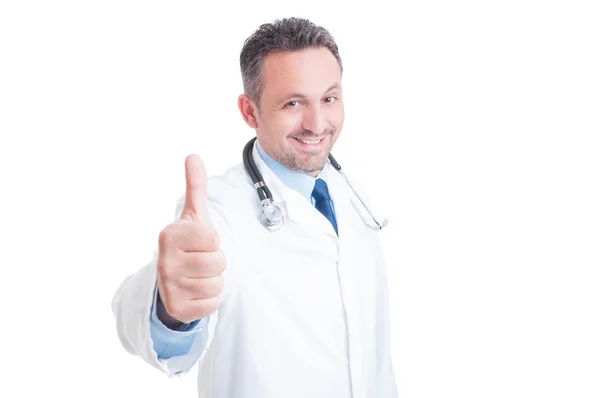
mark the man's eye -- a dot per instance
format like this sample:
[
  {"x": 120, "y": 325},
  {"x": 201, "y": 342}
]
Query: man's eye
[
  {"x": 292, "y": 103},
  {"x": 329, "y": 100}
]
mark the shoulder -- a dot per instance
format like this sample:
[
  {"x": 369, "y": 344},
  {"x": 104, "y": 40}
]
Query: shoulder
[{"x": 230, "y": 187}]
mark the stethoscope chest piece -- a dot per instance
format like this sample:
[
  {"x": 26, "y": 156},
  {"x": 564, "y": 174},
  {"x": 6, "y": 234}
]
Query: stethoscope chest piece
[{"x": 271, "y": 217}]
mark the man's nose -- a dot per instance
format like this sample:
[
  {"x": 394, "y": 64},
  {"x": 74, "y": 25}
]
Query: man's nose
[{"x": 313, "y": 119}]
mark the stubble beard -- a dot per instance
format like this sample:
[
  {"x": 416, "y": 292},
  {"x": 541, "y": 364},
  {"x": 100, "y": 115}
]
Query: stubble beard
[{"x": 316, "y": 160}]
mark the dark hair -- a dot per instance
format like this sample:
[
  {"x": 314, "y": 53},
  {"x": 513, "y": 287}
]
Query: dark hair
[{"x": 288, "y": 34}]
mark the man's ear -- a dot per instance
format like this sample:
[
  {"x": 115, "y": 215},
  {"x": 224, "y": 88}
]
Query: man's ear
[{"x": 248, "y": 110}]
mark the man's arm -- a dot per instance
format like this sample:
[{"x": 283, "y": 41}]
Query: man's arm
[{"x": 187, "y": 274}]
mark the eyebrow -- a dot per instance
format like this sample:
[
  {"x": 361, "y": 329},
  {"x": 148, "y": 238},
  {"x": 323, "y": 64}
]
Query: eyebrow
[{"x": 300, "y": 95}]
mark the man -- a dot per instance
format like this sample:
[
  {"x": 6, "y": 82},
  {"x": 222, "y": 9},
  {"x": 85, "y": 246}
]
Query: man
[{"x": 299, "y": 312}]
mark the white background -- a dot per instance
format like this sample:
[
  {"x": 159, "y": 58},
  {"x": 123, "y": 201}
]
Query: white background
[{"x": 474, "y": 125}]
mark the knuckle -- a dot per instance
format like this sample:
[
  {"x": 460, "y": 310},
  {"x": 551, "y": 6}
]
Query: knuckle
[
  {"x": 164, "y": 269},
  {"x": 175, "y": 308},
  {"x": 205, "y": 288},
  {"x": 164, "y": 237},
  {"x": 179, "y": 284}
]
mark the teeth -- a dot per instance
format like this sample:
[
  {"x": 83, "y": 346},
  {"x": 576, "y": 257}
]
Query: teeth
[{"x": 310, "y": 142}]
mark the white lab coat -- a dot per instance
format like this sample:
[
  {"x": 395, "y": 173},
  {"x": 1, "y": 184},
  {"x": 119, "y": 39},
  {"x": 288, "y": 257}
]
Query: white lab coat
[{"x": 304, "y": 314}]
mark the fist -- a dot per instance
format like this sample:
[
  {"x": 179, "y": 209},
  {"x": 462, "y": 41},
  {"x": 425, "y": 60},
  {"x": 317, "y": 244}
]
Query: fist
[{"x": 190, "y": 264}]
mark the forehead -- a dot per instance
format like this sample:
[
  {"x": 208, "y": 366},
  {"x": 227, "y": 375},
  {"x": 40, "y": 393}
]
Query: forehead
[{"x": 309, "y": 71}]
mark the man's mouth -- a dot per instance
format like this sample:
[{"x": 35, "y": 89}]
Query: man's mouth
[{"x": 309, "y": 141}]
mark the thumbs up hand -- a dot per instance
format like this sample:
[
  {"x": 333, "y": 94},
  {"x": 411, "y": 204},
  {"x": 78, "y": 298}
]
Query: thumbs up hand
[{"x": 190, "y": 264}]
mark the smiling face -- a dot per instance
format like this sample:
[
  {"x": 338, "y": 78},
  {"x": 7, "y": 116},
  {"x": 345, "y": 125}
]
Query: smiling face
[{"x": 301, "y": 111}]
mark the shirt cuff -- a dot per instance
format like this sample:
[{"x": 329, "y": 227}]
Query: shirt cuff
[{"x": 167, "y": 342}]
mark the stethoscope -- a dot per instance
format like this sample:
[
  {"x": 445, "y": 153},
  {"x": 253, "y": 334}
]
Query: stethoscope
[{"x": 272, "y": 216}]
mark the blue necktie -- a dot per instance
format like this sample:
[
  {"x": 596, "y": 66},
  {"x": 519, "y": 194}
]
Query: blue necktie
[{"x": 323, "y": 201}]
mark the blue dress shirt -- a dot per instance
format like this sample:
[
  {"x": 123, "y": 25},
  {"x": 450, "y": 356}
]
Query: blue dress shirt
[{"x": 169, "y": 343}]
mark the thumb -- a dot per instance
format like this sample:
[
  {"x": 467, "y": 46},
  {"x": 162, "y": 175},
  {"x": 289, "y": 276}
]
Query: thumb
[{"x": 195, "y": 207}]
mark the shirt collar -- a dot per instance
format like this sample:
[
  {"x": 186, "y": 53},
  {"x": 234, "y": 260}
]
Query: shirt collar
[{"x": 300, "y": 182}]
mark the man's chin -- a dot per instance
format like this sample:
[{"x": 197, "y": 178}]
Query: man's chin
[
  {"x": 303, "y": 162},
  {"x": 312, "y": 167}
]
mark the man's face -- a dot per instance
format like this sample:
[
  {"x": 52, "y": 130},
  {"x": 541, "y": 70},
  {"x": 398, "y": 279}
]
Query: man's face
[{"x": 301, "y": 113}]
